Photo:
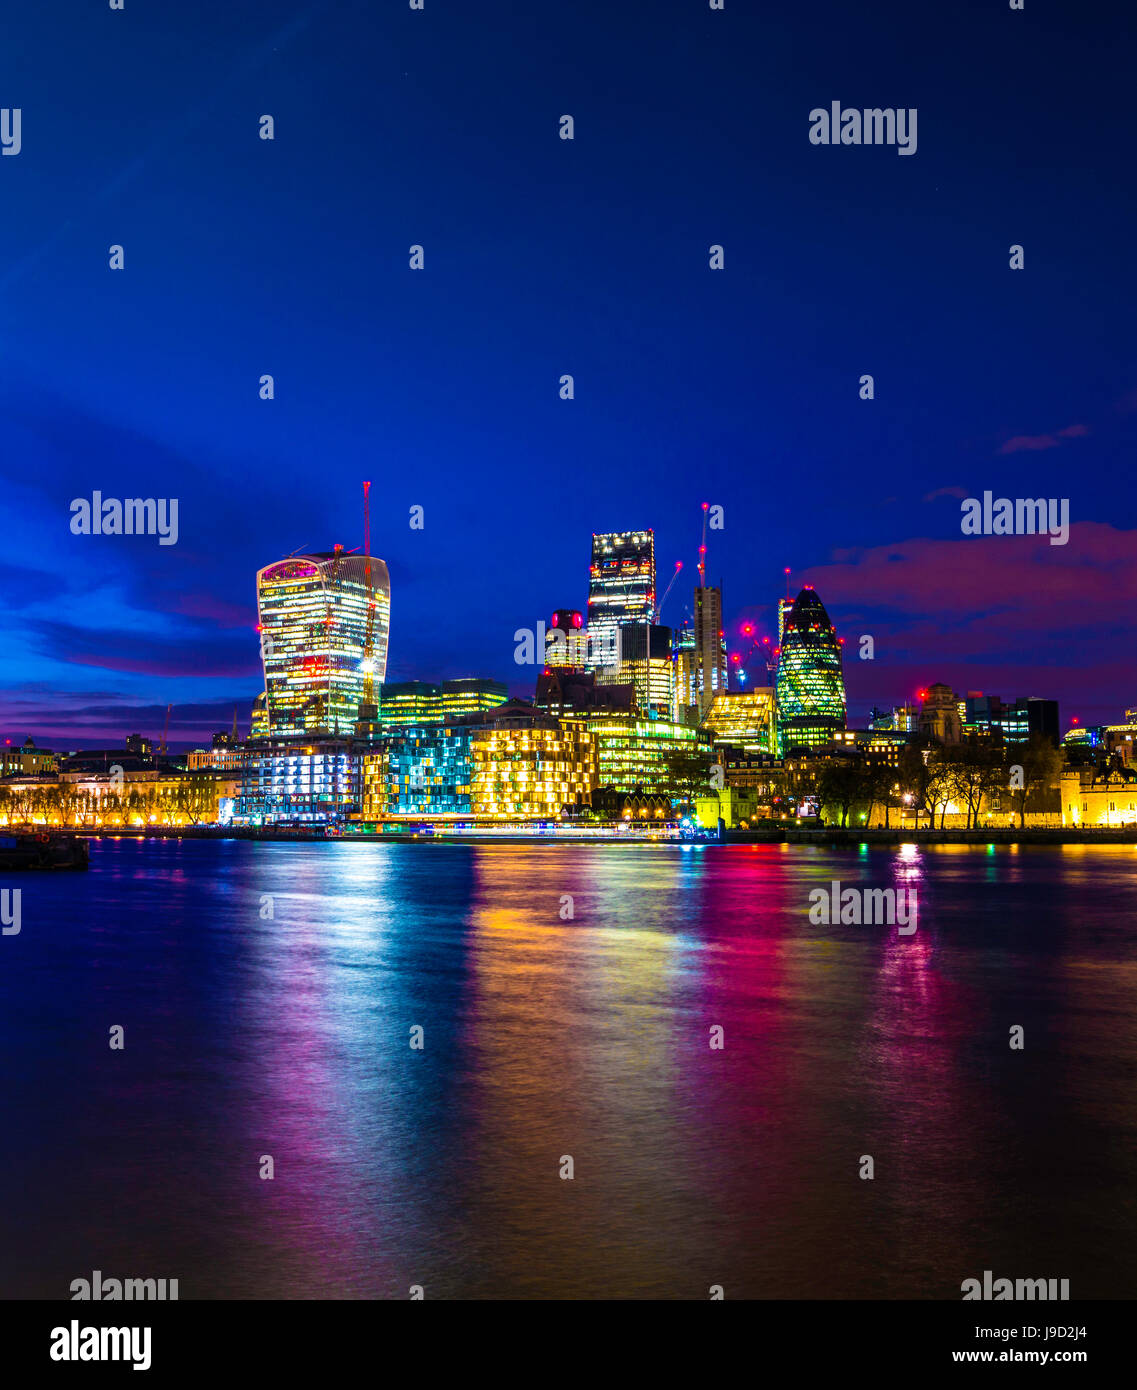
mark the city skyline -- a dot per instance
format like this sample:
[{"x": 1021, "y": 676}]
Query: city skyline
[
  {"x": 737, "y": 387},
  {"x": 520, "y": 679}
]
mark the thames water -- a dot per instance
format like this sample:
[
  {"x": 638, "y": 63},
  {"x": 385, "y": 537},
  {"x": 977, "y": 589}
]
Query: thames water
[{"x": 663, "y": 1021}]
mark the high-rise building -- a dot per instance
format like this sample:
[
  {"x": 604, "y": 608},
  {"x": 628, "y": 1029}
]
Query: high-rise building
[
  {"x": 566, "y": 640},
  {"x": 621, "y": 584},
  {"x": 710, "y": 647},
  {"x": 646, "y": 664},
  {"x": 811, "y": 688},
  {"x": 686, "y": 708},
  {"x": 784, "y": 607},
  {"x": 313, "y": 613}
]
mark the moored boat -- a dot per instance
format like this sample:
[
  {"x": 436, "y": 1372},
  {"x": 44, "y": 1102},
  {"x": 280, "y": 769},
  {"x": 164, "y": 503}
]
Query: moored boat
[{"x": 42, "y": 850}]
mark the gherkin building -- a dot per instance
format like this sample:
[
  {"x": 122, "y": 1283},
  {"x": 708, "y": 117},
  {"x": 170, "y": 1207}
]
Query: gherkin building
[{"x": 811, "y": 689}]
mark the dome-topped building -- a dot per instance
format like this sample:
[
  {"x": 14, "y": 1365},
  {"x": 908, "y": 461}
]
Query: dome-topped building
[{"x": 811, "y": 689}]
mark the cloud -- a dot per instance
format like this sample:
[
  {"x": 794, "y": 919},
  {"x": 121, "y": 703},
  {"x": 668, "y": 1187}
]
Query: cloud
[
  {"x": 100, "y": 719},
  {"x": 206, "y": 653},
  {"x": 1009, "y": 614},
  {"x": 960, "y": 492},
  {"x": 1021, "y": 443}
]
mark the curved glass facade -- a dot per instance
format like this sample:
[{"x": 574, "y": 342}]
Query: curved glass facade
[
  {"x": 811, "y": 689},
  {"x": 313, "y": 622}
]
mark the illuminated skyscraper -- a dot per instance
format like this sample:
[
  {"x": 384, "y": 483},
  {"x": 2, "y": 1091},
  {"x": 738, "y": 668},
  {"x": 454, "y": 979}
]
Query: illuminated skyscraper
[
  {"x": 710, "y": 646},
  {"x": 784, "y": 606},
  {"x": 621, "y": 585},
  {"x": 811, "y": 689},
  {"x": 566, "y": 641},
  {"x": 646, "y": 664},
  {"x": 686, "y": 708},
  {"x": 313, "y": 612}
]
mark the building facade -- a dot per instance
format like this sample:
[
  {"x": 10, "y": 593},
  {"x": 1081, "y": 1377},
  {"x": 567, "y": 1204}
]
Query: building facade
[
  {"x": 317, "y": 615},
  {"x": 621, "y": 584},
  {"x": 25, "y": 760},
  {"x": 409, "y": 703},
  {"x": 710, "y": 647},
  {"x": 284, "y": 780},
  {"x": 635, "y": 754},
  {"x": 646, "y": 664},
  {"x": 746, "y": 719},
  {"x": 1097, "y": 799},
  {"x": 811, "y": 686}
]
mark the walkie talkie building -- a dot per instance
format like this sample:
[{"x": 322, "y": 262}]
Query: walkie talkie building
[{"x": 313, "y": 612}]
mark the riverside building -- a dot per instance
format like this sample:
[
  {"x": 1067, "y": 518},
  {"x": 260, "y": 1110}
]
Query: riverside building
[{"x": 324, "y": 620}]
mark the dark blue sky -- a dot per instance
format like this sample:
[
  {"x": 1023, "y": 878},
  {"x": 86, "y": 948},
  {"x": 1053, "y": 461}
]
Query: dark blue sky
[{"x": 543, "y": 257}]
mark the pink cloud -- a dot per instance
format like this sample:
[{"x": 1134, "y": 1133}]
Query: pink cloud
[
  {"x": 1011, "y": 615},
  {"x": 989, "y": 586},
  {"x": 1027, "y": 442}
]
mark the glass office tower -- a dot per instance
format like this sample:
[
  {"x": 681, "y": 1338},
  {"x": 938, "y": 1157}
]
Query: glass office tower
[
  {"x": 621, "y": 585},
  {"x": 811, "y": 688},
  {"x": 314, "y": 625}
]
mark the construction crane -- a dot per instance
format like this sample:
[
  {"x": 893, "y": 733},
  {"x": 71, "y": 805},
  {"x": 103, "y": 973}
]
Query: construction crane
[
  {"x": 671, "y": 585},
  {"x": 764, "y": 649},
  {"x": 327, "y": 579},
  {"x": 703, "y": 549},
  {"x": 368, "y": 709},
  {"x": 166, "y": 730}
]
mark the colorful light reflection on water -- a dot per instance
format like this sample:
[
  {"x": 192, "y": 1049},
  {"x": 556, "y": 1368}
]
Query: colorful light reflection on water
[{"x": 288, "y": 1035}]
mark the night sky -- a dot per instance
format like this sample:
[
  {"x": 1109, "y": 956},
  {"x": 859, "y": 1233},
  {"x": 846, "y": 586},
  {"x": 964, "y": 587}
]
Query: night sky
[{"x": 544, "y": 257}]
